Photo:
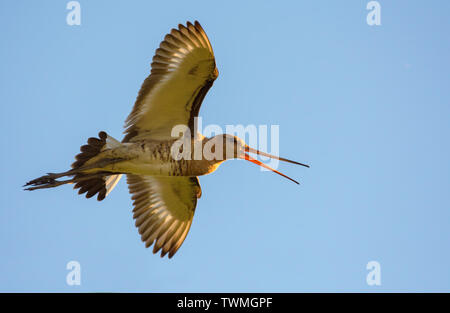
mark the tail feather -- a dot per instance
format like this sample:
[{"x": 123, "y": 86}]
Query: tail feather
[
  {"x": 101, "y": 183},
  {"x": 94, "y": 147}
]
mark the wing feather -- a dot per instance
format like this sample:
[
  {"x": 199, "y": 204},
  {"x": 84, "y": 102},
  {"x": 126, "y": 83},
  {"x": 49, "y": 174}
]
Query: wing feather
[
  {"x": 163, "y": 209},
  {"x": 183, "y": 69}
]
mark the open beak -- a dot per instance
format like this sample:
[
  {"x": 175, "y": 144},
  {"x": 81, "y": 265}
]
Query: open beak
[{"x": 249, "y": 158}]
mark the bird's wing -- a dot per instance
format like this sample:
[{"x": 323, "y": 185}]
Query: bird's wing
[
  {"x": 183, "y": 70},
  {"x": 163, "y": 209}
]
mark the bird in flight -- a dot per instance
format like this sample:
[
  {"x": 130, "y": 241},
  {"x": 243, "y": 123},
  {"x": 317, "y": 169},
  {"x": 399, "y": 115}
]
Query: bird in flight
[{"x": 164, "y": 187}]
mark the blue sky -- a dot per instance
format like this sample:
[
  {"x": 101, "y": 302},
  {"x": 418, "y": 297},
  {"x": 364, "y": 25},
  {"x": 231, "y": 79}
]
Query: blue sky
[{"x": 367, "y": 106}]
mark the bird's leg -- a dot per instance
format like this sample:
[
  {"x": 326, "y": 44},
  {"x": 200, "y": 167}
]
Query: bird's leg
[
  {"x": 50, "y": 178},
  {"x": 46, "y": 183}
]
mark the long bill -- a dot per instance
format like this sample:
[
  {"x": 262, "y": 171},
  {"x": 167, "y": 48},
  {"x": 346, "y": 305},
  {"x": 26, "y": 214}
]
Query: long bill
[
  {"x": 249, "y": 158},
  {"x": 251, "y": 150}
]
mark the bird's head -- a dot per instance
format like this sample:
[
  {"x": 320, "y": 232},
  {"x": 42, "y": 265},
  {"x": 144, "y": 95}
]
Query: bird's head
[{"x": 225, "y": 147}]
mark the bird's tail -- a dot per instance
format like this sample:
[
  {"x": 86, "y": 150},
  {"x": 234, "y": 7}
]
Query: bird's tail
[{"x": 98, "y": 182}]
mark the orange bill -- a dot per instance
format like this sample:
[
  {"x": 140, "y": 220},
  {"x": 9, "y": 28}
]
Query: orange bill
[{"x": 249, "y": 158}]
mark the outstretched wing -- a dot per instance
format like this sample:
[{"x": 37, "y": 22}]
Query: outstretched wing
[
  {"x": 183, "y": 70},
  {"x": 163, "y": 209}
]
